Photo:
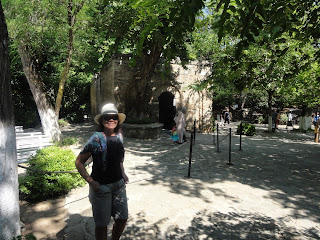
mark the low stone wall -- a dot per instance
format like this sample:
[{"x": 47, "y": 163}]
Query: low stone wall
[{"x": 142, "y": 131}]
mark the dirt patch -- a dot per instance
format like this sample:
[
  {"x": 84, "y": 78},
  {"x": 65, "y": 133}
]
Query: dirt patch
[{"x": 44, "y": 219}]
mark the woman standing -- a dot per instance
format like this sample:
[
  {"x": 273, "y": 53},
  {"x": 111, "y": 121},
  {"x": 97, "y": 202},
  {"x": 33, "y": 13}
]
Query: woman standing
[
  {"x": 180, "y": 121},
  {"x": 107, "y": 192}
]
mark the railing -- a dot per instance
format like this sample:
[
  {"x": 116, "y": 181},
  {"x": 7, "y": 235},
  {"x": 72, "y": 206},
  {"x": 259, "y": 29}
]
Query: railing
[{"x": 29, "y": 142}]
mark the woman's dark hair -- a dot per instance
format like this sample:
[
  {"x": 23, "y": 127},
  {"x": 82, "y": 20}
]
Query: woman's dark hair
[{"x": 100, "y": 127}]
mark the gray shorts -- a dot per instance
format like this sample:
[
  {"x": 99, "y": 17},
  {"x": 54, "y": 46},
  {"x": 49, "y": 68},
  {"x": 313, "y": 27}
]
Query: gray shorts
[{"x": 110, "y": 200}]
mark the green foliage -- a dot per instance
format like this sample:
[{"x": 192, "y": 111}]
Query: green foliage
[
  {"x": 62, "y": 122},
  {"x": 66, "y": 142},
  {"x": 37, "y": 186},
  {"x": 43, "y": 27},
  {"x": 247, "y": 129},
  {"x": 267, "y": 20},
  {"x": 283, "y": 119}
]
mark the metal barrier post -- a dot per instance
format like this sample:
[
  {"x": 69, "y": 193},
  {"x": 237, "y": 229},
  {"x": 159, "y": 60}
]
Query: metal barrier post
[
  {"x": 214, "y": 137},
  {"x": 229, "y": 163},
  {"x": 194, "y": 131},
  {"x": 240, "y": 135},
  {"x": 218, "y": 138},
  {"x": 190, "y": 156}
]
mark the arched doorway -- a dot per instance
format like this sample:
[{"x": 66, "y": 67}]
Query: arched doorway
[{"x": 167, "y": 110}]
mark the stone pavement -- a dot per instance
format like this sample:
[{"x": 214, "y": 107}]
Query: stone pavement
[{"x": 271, "y": 191}]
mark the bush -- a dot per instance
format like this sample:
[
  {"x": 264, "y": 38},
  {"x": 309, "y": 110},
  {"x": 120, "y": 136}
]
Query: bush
[
  {"x": 260, "y": 119},
  {"x": 62, "y": 122},
  {"x": 37, "y": 186},
  {"x": 247, "y": 129},
  {"x": 283, "y": 119},
  {"x": 66, "y": 142}
]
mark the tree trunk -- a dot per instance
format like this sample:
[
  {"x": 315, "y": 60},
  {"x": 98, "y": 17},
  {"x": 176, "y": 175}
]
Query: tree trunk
[
  {"x": 305, "y": 120},
  {"x": 270, "y": 95},
  {"x": 65, "y": 71},
  {"x": 138, "y": 92},
  {"x": 305, "y": 123},
  {"x": 64, "y": 74},
  {"x": 9, "y": 193},
  {"x": 46, "y": 112}
]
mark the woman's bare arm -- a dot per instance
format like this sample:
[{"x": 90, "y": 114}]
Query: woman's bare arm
[{"x": 80, "y": 161}]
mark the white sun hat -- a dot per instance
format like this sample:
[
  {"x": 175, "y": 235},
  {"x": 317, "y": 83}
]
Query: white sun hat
[{"x": 110, "y": 108}]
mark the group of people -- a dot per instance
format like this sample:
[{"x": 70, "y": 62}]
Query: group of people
[{"x": 224, "y": 118}]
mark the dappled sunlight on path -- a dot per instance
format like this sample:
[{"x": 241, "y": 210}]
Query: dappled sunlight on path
[{"x": 271, "y": 191}]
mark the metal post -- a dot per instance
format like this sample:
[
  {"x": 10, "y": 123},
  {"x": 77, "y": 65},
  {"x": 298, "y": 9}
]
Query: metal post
[
  {"x": 214, "y": 137},
  {"x": 229, "y": 163},
  {"x": 194, "y": 131},
  {"x": 240, "y": 134},
  {"x": 218, "y": 138},
  {"x": 190, "y": 156}
]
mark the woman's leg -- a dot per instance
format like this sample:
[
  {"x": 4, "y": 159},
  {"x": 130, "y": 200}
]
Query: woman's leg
[
  {"x": 181, "y": 136},
  {"x": 118, "y": 228},
  {"x": 101, "y": 233},
  {"x": 119, "y": 209},
  {"x": 101, "y": 207}
]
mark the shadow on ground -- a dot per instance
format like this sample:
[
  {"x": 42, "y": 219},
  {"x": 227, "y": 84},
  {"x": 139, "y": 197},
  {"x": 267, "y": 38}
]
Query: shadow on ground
[
  {"x": 206, "y": 225},
  {"x": 286, "y": 164}
]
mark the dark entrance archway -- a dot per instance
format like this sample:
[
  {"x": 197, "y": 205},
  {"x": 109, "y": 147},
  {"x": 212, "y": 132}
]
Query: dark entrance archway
[{"x": 166, "y": 110}]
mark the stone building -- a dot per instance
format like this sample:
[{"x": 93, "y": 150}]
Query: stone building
[{"x": 168, "y": 93}]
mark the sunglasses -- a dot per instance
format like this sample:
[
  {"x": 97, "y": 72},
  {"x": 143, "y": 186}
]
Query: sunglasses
[{"x": 110, "y": 116}]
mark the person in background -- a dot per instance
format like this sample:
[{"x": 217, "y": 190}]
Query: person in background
[
  {"x": 221, "y": 120},
  {"x": 316, "y": 132},
  {"x": 290, "y": 120},
  {"x": 180, "y": 120},
  {"x": 174, "y": 135},
  {"x": 107, "y": 192},
  {"x": 274, "y": 119},
  {"x": 227, "y": 117},
  {"x": 316, "y": 118}
]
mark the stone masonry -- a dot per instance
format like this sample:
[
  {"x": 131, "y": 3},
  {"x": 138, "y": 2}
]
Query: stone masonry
[{"x": 108, "y": 86}]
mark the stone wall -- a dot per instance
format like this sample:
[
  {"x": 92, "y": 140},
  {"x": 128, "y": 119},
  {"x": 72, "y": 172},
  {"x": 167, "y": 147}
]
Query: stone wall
[{"x": 108, "y": 86}]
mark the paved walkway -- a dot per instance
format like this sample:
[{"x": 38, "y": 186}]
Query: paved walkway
[{"x": 271, "y": 191}]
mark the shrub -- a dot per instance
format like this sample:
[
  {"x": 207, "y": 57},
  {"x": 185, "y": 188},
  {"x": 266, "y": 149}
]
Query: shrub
[
  {"x": 66, "y": 142},
  {"x": 283, "y": 119},
  {"x": 247, "y": 129},
  {"x": 62, "y": 122},
  {"x": 37, "y": 186},
  {"x": 260, "y": 119}
]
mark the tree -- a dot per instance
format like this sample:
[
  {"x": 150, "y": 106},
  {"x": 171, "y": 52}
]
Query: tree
[
  {"x": 27, "y": 28},
  {"x": 267, "y": 48},
  {"x": 164, "y": 28},
  {"x": 45, "y": 109},
  {"x": 273, "y": 67},
  {"x": 9, "y": 194},
  {"x": 304, "y": 91},
  {"x": 49, "y": 35},
  {"x": 265, "y": 65},
  {"x": 269, "y": 20},
  {"x": 151, "y": 31},
  {"x": 72, "y": 15}
]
